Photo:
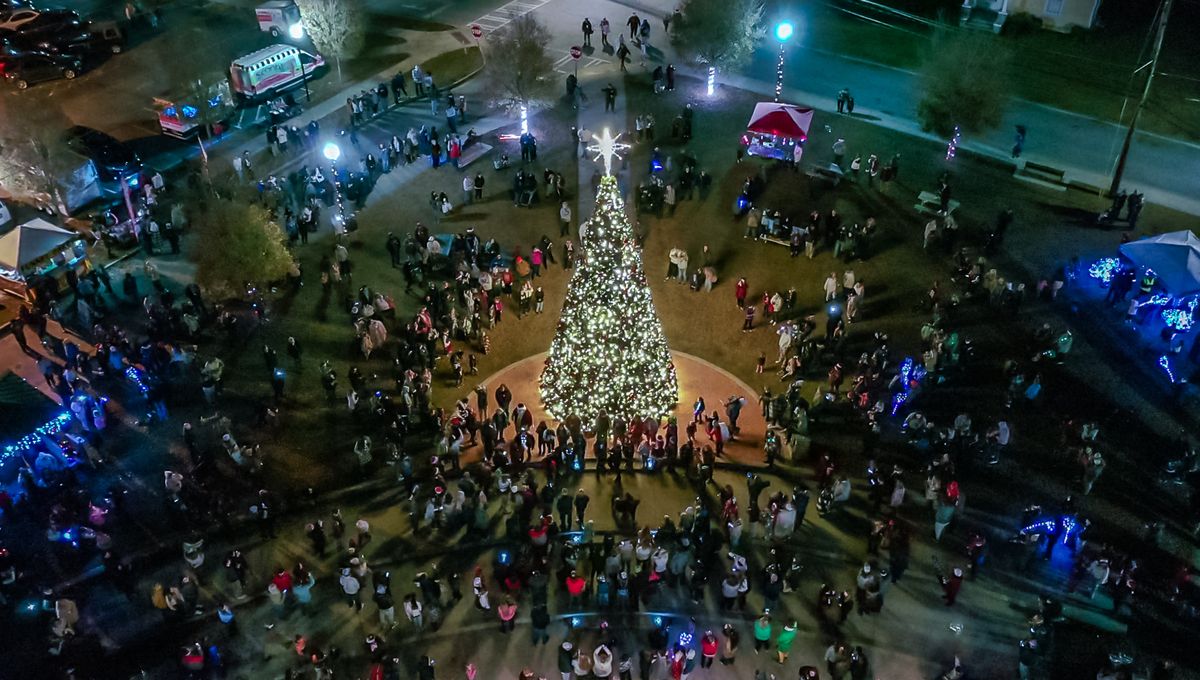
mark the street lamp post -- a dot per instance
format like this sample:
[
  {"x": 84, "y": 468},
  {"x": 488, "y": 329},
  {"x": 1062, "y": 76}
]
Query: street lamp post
[
  {"x": 783, "y": 33},
  {"x": 332, "y": 153}
]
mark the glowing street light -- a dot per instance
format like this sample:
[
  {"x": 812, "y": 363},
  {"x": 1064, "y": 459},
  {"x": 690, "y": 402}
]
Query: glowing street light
[
  {"x": 332, "y": 152},
  {"x": 296, "y": 30},
  {"x": 783, "y": 33}
]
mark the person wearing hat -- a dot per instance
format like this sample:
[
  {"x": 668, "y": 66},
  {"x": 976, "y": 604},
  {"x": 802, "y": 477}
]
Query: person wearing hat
[
  {"x": 350, "y": 586},
  {"x": 566, "y": 657},
  {"x": 708, "y": 649},
  {"x": 762, "y": 632},
  {"x": 730, "y": 649}
]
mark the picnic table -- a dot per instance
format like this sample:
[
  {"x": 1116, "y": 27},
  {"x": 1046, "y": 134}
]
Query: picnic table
[{"x": 929, "y": 203}]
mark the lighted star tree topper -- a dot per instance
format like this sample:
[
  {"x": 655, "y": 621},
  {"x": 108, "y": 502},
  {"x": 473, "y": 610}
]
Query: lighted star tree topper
[{"x": 609, "y": 353}]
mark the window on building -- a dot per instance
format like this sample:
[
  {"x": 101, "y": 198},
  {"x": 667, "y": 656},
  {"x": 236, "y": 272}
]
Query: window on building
[{"x": 1054, "y": 7}]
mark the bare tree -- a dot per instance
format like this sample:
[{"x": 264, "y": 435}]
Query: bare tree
[
  {"x": 718, "y": 34},
  {"x": 336, "y": 27},
  {"x": 519, "y": 68},
  {"x": 35, "y": 159}
]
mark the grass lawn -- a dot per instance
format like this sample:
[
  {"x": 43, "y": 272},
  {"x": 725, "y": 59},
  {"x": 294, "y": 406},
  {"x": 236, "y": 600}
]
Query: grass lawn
[{"x": 1085, "y": 72}]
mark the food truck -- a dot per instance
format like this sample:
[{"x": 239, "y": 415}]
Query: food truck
[
  {"x": 272, "y": 70},
  {"x": 188, "y": 114},
  {"x": 280, "y": 17}
]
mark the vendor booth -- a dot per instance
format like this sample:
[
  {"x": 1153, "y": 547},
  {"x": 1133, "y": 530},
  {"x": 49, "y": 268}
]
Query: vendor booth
[
  {"x": 777, "y": 131},
  {"x": 1174, "y": 258},
  {"x": 37, "y": 255},
  {"x": 1169, "y": 279}
]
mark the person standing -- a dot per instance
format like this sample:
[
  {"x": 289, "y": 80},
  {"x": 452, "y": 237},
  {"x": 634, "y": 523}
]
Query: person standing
[
  {"x": 587, "y": 32},
  {"x": 507, "y": 611},
  {"x": 762, "y": 632},
  {"x": 581, "y": 503},
  {"x": 604, "y": 29},
  {"x": 951, "y": 585},
  {"x": 730, "y": 646},
  {"x": 566, "y": 658},
  {"x": 783, "y": 642},
  {"x": 610, "y": 97},
  {"x": 634, "y": 23},
  {"x": 387, "y": 608},
  {"x": 539, "y": 621},
  {"x": 350, "y": 588},
  {"x": 564, "y": 220}
]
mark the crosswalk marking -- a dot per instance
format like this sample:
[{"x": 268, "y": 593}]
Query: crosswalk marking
[{"x": 506, "y": 13}]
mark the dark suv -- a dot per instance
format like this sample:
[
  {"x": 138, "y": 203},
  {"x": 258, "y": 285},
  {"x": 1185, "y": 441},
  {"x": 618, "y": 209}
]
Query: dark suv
[
  {"x": 26, "y": 68},
  {"x": 114, "y": 160}
]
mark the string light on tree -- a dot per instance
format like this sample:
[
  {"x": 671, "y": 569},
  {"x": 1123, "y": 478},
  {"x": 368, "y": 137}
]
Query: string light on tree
[
  {"x": 609, "y": 354},
  {"x": 952, "y": 147}
]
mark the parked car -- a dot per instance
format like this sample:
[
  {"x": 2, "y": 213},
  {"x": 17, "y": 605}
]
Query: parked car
[
  {"x": 114, "y": 160},
  {"x": 107, "y": 36},
  {"x": 76, "y": 41},
  {"x": 28, "y": 68},
  {"x": 27, "y": 20}
]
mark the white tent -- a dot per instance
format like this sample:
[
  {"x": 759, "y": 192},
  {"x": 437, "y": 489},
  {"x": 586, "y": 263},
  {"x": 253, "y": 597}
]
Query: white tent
[
  {"x": 31, "y": 242},
  {"x": 1175, "y": 257}
]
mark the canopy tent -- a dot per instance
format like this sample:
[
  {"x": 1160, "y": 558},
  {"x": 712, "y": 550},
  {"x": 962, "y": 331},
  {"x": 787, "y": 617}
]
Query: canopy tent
[
  {"x": 781, "y": 120},
  {"x": 30, "y": 242},
  {"x": 1174, "y": 257}
]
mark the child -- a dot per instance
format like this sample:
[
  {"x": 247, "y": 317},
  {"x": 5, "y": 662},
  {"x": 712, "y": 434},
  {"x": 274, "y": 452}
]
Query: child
[{"x": 762, "y": 362}]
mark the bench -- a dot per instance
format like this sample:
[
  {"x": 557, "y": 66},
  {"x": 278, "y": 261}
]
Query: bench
[
  {"x": 1042, "y": 175},
  {"x": 930, "y": 204}
]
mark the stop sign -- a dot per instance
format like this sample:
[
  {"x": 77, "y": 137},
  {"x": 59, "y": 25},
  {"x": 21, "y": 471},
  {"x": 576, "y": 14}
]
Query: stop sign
[
  {"x": 477, "y": 31},
  {"x": 576, "y": 52}
]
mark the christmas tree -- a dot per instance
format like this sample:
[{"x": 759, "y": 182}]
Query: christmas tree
[{"x": 609, "y": 354}]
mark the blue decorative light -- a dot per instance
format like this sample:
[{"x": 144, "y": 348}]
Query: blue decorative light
[
  {"x": 190, "y": 111},
  {"x": 135, "y": 376},
  {"x": 1104, "y": 269},
  {"x": 1161, "y": 299},
  {"x": 1039, "y": 527},
  {"x": 50, "y": 428},
  {"x": 1178, "y": 319},
  {"x": 898, "y": 400},
  {"x": 504, "y": 557},
  {"x": 658, "y": 621},
  {"x": 170, "y": 112},
  {"x": 1165, "y": 362},
  {"x": 685, "y": 639},
  {"x": 784, "y": 31},
  {"x": 576, "y": 621}
]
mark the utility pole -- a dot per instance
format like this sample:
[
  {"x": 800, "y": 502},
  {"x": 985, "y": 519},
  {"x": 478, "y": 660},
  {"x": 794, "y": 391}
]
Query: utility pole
[{"x": 1164, "y": 12}]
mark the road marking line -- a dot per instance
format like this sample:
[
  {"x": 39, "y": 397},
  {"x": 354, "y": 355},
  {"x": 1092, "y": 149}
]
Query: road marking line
[{"x": 509, "y": 11}]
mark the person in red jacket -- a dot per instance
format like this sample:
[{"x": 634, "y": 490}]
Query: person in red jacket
[
  {"x": 708, "y": 649},
  {"x": 741, "y": 290},
  {"x": 951, "y": 585},
  {"x": 282, "y": 580},
  {"x": 575, "y": 588}
]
